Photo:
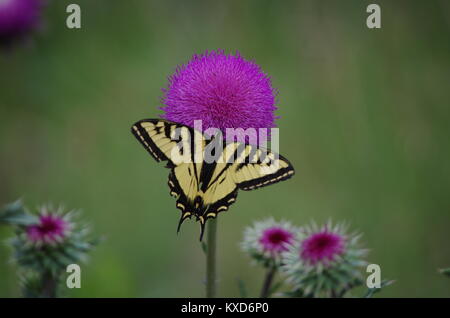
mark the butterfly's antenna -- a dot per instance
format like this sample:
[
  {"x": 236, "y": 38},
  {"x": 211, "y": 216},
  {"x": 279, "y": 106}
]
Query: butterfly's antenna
[{"x": 184, "y": 216}]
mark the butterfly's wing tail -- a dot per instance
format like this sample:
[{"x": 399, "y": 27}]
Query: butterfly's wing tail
[
  {"x": 202, "y": 228},
  {"x": 202, "y": 221},
  {"x": 184, "y": 216}
]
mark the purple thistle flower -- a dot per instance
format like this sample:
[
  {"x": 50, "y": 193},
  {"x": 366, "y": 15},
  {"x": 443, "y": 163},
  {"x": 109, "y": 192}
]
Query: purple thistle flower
[
  {"x": 17, "y": 19},
  {"x": 51, "y": 228},
  {"x": 276, "y": 239},
  {"x": 323, "y": 247},
  {"x": 224, "y": 91},
  {"x": 44, "y": 245},
  {"x": 325, "y": 261},
  {"x": 265, "y": 241}
]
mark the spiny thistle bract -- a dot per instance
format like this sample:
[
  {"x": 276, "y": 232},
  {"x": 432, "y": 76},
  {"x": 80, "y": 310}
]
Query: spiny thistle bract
[
  {"x": 265, "y": 241},
  {"x": 325, "y": 262},
  {"x": 45, "y": 244}
]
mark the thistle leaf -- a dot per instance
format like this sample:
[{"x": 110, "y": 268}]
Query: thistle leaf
[
  {"x": 371, "y": 291},
  {"x": 16, "y": 214},
  {"x": 445, "y": 271}
]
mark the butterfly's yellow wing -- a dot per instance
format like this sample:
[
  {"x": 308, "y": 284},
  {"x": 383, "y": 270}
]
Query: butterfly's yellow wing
[{"x": 202, "y": 188}]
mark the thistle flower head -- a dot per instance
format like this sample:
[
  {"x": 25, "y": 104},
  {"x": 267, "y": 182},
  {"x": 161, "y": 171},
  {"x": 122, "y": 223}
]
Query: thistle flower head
[
  {"x": 267, "y": 240},
  {"x": 44, "y": 244},
  {"x": 48, "y": 241},
  {"x": 276, "y": 239},
  {"x": 326, "y": 261},
  {"x": 323, "y": 247},
  {"x": 223, "y": 91},
  {"x": 52, "y": 228},
  {"x": 18, "y": 18}
]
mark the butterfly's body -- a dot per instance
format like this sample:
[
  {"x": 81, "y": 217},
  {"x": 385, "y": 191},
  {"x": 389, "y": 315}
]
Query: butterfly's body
[{"x": 204, "y": 187}]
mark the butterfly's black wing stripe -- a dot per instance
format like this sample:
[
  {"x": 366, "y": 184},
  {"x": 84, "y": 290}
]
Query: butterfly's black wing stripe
[
  {"x": 222, "y": 205},
  {"x": 196, "y": 173},
  {"x": 176, "y": 189},
  {"x": 161, "y": 127},
  {"x": 142, "y": 135},
  {"x": 219, "y": 175},
  {"x": 227, "y": 166},
  {"x": 280, "y": 175},
  {"x": 206, "y": 175}
]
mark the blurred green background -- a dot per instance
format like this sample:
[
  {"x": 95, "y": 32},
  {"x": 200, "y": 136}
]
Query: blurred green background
[{"x": 364, "y": 119}]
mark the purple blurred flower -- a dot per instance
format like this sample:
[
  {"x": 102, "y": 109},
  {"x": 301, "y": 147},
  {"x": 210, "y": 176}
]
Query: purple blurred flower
[
  {"x": 325, "y": 261},
  {"x": 51, "y": 228},
  {"x": 276, "y": 239},
  {"x": 18, "y": 18},
  {"x": 224, "y": 91},
  {"x": 265, "y": 241},
  {"x": 323, "y": 246}
]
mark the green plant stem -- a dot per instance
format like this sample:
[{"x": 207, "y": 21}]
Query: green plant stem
[
  {"x": 211, "y": 279},
  {"x": 49, "y": 286},
  {"x": 265, "y": 291}
]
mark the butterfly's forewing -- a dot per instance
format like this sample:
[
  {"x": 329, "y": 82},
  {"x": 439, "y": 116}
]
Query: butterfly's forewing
[
  {"x": 174, "y": 143},
  {"x": 155, "y": 136},
  {"x": 262, "y": 168}
]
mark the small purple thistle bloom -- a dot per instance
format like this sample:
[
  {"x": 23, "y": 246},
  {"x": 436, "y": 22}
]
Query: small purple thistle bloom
[
  {"x": 224, "y": 91},
  {"x": 267, "y": 240},
  {"x": 17, "y": 19},
  {"x": 51, "y": 228},
  {"x": 276, "y": 239},
  {"x": 326, "y": 261},
  {"x": 322, "y": 247}
]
